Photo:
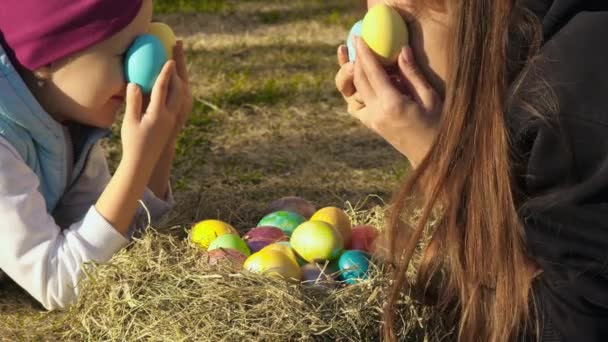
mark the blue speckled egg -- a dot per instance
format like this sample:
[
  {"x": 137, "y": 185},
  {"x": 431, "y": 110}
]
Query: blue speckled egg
[
  {"x": 350, "y": 43},
  {"x": 144, "y": 60},
  {"x": 353, "y": 265}
]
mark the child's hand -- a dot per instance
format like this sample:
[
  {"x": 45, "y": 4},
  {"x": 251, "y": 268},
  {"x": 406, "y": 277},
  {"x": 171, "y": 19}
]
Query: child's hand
[
  {"x": 182, "y": 72},
  {"x": 408, "y": 122},
  {"x": 144, "y": 135}
]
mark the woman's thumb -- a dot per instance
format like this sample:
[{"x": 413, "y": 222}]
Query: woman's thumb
[{"x": 134, "y": 102}]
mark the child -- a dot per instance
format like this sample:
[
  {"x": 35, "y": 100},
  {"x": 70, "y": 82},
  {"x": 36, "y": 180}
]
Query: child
[
  {"x": 504, "y": 118},
  {"x": 61, "y": 85}
]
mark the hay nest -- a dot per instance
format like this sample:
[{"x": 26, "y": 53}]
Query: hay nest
[{"x": 160, "y": 289}]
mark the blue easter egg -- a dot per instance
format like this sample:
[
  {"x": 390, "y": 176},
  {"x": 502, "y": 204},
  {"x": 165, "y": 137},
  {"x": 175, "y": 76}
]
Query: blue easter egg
[
  {"x": 287, "y": 221},
  {"x": 144, "y": 60},
  {"x": 353, "y": 265},
  {"x": 350, "y": 43}
]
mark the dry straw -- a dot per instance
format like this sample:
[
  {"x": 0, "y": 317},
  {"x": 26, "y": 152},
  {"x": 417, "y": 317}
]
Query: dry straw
[{"x": 160, "y": 289}]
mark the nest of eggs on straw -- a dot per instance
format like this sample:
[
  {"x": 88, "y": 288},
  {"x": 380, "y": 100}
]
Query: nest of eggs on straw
[
  {"x": 294, "y": 242},
  {"x": 167, "y": 288}
]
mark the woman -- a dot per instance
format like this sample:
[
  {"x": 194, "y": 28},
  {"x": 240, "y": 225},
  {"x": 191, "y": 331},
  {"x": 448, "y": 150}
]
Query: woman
[{"x": 502, "y": 111}]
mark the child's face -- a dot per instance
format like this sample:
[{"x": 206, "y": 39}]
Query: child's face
[
  {"x": 429, "y": 34},
  {"x": 89, "y": 87}
]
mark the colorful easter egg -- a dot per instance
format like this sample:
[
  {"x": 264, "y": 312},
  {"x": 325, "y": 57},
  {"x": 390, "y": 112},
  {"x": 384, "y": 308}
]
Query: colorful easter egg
[
  {"x": 299, "y": 259},
  {"x": 230, "y": 241},
  {"x": 355, "y": 31},
  {"x": 285, "y": 247},
  {"x": 354, "y": 266},
  {"x": 259, "y": 237},
  {"x": 362, "y": 238},
  {"x": 337, "y": 218},
  {"x": 317, "y": 241},
  {"x": 317, "y": 275},
  {"x": 225, "y": 255},
  {"x": 294, "y": 204},
  {"x": 166, "y": 36},
  {"x": 144, "y": 60},
  {"x": 287, "y": 221},
  {"x": 205, "y": 231},
  {"x": 385, "y": 32},
  {"x": 273, "y": 263}
]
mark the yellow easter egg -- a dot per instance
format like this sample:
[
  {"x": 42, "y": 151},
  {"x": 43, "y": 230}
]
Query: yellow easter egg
[
  {"x": 385, "y": 32},
  {"x": 273, "y": 263},
  {"x": 204, "y": 232},
  {"x": 283, "y": 248},
  {"x": 165, "y": 34},
  {"x": 337, "y": 218}
]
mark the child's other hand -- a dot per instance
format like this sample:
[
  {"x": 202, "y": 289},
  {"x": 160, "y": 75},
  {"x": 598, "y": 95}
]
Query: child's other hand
[
  {"x": 144, "y": 135},
  {"x": 404, "y": 114},
  {"x": 182, "y": 72}
]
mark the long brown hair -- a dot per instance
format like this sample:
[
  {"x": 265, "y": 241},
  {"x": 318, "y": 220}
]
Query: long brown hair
[{"x": 476, "y": 254}]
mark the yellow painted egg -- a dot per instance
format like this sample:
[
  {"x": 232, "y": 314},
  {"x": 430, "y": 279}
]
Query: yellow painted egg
[
  {"x": 385, "y": 32},
  {"x": 165, "y": 34},
  {"x": 204, "y": 232},
  {"x": 283, "y": 248},
  {"x": 275, "y": 264},
  {"x": 337, "y": 218},
  {"x": 317, "y": 241}
]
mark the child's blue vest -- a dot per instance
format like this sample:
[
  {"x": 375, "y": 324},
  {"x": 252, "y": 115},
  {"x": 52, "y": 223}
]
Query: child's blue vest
[{"x": 41, "y": 141}]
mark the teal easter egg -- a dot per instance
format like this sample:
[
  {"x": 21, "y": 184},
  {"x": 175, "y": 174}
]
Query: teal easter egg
[
  {"x": 287, "y": 221},
  {"x": 350, "y": 43},
  {"x": 354, "y": 265},
  {"x": 144, "y": 60}
]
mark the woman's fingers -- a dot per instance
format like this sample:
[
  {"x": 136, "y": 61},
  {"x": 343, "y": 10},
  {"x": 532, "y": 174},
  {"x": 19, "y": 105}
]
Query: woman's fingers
[
  {"x": 361, "y": 81},
  {"x": 378, "y": 80},
  {"x": 421, "y": 90},
  {"x": 342, "y": 54},
  {"x": 344, "y": 80}
]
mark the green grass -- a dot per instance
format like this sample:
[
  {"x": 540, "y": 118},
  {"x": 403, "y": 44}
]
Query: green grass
[{"x": 190, "y": 6}]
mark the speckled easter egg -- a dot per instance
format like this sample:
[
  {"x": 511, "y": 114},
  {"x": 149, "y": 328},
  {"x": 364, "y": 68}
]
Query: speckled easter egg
[
  {"x": 273, "y": 263},
  {"x": 203, "y": 232},
  {"x": 287, "y": 221},
  {"x": 354, "y": 266},
  {"x": 166, "y": 36},
  {"x": 317, "y": 241},
  {"x": 260, "y": 237},
  {"x": 144, "y": 60},
  {"x": 294, "y": 204},
  {"x": 337, "y": 218},
  {"x": 385, "y": 32}
]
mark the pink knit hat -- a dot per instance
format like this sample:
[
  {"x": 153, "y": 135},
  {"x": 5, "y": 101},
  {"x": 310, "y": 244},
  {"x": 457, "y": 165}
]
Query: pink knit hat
[{"x": 38, "y": 32}]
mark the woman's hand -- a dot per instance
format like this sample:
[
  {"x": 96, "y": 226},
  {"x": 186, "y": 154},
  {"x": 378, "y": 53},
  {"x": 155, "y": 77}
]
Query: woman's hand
[{"x": 402, "y": 107}]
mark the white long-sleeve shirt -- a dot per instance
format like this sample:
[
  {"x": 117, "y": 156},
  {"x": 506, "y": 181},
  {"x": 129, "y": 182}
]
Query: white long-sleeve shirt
[{"x": 44, "y": 253}]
